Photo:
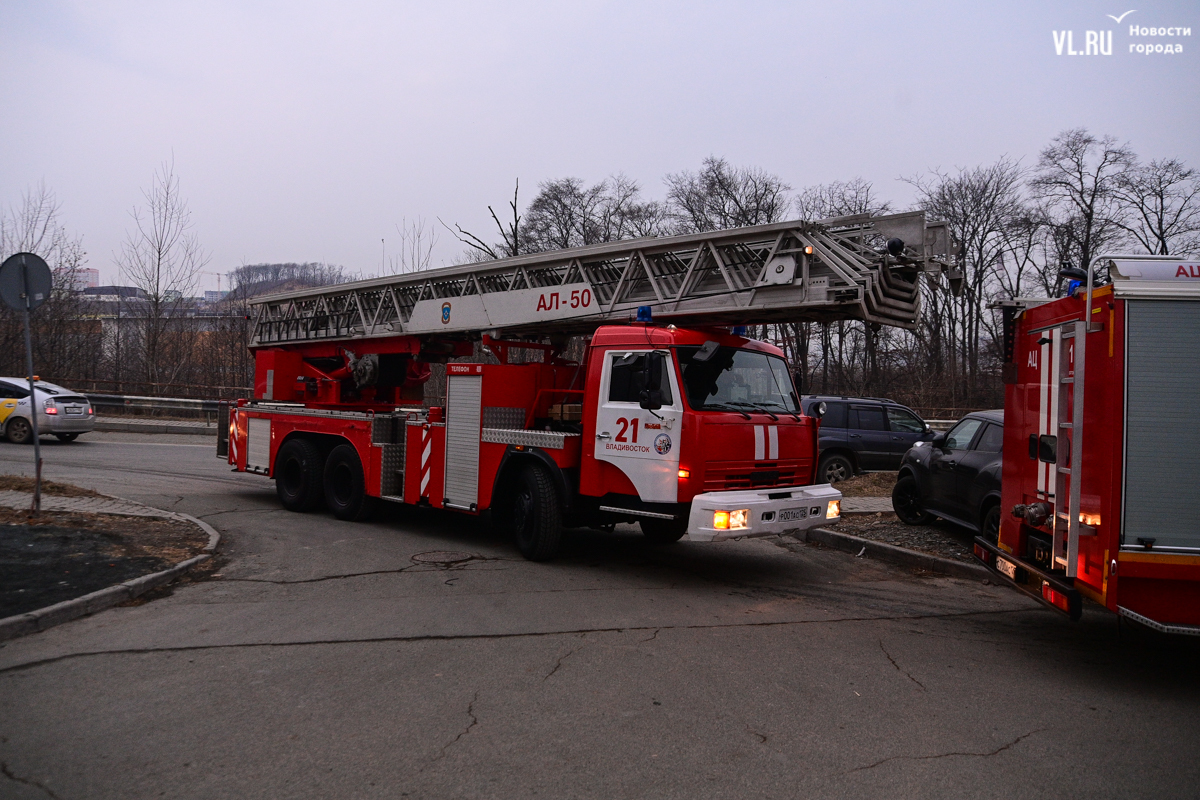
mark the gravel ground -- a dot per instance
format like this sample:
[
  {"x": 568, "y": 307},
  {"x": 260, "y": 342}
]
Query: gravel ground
[{"x": 941, "y": 539}]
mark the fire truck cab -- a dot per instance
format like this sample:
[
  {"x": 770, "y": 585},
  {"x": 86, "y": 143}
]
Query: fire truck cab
[{"x": 1102, "y": 445}]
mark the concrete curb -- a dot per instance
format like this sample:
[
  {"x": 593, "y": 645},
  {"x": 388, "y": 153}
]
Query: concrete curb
[
  {"x": 892, "y": 554},
  {"x": 67, "y": 610},
  {"x": 139, "y": 427}
]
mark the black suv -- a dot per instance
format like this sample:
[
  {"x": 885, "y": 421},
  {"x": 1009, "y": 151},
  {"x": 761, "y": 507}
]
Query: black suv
[
  {"x": 955, "y": 476},
  {"x": 862, "y": 434}
]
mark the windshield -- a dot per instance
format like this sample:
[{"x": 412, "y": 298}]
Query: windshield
[{"x": 733, "y": 378}]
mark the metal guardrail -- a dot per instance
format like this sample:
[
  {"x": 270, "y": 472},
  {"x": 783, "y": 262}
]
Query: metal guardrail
[{"x": 206, "y": 409}]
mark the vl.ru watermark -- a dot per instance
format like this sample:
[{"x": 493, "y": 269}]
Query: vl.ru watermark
[{"x": 1100, "y": 43}]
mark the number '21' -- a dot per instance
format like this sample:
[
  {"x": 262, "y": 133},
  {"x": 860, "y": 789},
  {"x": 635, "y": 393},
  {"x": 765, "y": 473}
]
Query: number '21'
[{"x": 625, "y": 425}]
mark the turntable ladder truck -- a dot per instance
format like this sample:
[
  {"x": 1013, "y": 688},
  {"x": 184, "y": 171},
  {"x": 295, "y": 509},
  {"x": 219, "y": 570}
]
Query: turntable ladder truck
[
  {"x": 668, "y": 418},
  {"x": 1102, "y": 444}
]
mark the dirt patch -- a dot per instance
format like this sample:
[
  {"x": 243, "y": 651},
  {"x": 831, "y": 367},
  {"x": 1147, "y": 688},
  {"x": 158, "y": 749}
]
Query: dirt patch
[
  {"x": 940, "y": 539},
  {"x": 21, "y": 483},
  {"x": 872, "y": 484},
  {"x": 61, "y": 555}
]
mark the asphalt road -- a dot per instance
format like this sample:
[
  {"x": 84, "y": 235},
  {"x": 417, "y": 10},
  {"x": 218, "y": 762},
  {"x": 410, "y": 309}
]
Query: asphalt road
[{"x": 325, "y": 662}]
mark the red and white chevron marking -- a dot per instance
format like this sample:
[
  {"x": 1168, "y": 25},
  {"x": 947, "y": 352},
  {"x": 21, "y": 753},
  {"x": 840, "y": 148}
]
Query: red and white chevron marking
[{"x": 426, "y": 449}]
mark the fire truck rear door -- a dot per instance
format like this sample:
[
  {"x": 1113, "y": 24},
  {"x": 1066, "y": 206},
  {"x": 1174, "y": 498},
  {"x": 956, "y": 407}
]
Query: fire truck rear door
[{"x": 1162, "y": 433}]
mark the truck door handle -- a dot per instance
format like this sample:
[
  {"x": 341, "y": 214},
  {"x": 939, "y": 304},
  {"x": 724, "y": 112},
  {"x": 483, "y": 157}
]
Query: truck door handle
[
  {"x": 605, "y": 435},
  {"x": 856, "y": 436}
]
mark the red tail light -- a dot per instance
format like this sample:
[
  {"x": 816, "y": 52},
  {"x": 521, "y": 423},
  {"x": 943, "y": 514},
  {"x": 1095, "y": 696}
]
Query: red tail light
[
  {"x": 1055, "y": 598},
  {"x": 983, "y": 555}
]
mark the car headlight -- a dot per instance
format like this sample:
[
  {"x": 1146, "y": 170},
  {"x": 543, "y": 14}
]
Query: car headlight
[
  {"x": 834, "y": 510},
  {"x": 740, "y": 519}
]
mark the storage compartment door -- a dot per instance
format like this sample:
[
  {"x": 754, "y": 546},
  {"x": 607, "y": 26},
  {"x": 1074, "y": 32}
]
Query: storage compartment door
[
  {"x": 463, "y": 402},
  {"x": 1162, "y": 424}
]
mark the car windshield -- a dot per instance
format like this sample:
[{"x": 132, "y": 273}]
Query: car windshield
[{"x": 737, "y": 379}]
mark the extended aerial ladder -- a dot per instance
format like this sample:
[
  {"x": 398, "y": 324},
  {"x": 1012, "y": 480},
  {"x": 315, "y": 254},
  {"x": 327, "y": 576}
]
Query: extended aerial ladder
[{"x": 856, "y": 267}]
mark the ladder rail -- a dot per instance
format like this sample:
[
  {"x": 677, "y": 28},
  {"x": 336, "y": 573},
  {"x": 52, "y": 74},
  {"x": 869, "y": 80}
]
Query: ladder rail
[{"x": 714, "y": 278}]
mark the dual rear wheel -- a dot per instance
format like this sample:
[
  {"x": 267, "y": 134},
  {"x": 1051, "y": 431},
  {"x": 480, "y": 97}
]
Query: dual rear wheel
[{"x": 303, "y": 479}]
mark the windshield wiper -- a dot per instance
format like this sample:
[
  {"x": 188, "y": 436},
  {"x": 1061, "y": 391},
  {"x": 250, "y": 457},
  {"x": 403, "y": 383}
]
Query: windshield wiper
[
  {"x": 756, "y": 407},
  {"x": 725, "y": 407},
  {"x": 785, "y": 408}
]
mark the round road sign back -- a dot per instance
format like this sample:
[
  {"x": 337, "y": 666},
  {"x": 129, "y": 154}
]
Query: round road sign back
[{"x": 21, "y": 274}]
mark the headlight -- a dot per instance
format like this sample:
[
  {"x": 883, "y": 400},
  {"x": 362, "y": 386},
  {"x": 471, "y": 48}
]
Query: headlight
[
  {"x": 834, "y": 510},
  {"x": 740, "y": 519}
]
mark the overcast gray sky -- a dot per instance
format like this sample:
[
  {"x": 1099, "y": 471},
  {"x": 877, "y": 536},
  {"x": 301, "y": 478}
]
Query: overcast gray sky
[{"x": 307, "y": 132}]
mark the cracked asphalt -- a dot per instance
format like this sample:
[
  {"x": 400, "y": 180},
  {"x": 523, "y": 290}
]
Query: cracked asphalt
[{"x": 323, "y": 661}]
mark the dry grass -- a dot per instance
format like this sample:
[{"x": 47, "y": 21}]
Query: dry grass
[
  {"x": 873, "y": 484},
  {"x": 20, "y": 483}
]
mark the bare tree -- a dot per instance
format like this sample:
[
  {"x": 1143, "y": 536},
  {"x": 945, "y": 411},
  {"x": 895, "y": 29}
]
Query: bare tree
[
  {"x": 162, "y": 257},
  {"x": 566, "y": 213},
  {"x": 1161, "y": 201},
  {"x": 839, "y": 199},
  {"x": 1077, "y": 177},
  {"x": 980, "y": 204},
  {"x": 416, "y": 247},
  {"x": 66, "y": 335},
  {"x": 720, "y": 196},
  {"x": 511, "y": 237}
]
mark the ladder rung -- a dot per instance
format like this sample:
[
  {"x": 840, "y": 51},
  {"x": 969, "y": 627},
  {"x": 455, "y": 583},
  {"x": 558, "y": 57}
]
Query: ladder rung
[
  {"x": 1068, "y": 334},
  {"x": 1064, "y": 470},
  {"x": 1063, "y": 515},
  {"x": 1066, "y": 380},
  {"x": 1070, "y": 425}
]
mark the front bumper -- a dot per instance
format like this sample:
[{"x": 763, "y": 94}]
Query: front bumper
[{"x": 770, "y": 511}]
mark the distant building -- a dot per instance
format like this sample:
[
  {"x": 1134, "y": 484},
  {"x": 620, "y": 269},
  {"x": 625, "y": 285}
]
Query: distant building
[
  {"x": 79, "y": 279},
  {"x": 214, "y": 297},
  {"x": 111, "y": 294}
]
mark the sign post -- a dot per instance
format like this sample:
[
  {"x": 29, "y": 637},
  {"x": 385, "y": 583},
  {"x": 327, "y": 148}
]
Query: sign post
[{"x": 25, "y": 284}]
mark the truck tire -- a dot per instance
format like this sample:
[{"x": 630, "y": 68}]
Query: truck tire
[
  {"x": 906, "y": 502},
  {"x": 662, "y": 531},
  {"x": 534, "y": 514},
  {"x": 298, "y": 475},
  {"x": 19, "y": 431},
  {"x": 346, "y": 486},
  {"x": 834, "y": 468}
]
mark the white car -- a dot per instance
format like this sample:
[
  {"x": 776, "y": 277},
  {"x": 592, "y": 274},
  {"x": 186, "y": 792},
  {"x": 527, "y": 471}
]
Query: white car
[{"x": 61, "y": 412}]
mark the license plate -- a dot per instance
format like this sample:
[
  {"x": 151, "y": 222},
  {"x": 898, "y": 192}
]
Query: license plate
[
  {"x": 793, "y": 514},
  {"x": 74, "y": 410},
  {"x": 1007, "y": 567}
]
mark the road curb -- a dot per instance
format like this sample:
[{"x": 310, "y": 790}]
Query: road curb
[
  {"x": 67, "y": 610},
  {"x": 140, "y": 427},
  {"x": 892, "y": 554}
]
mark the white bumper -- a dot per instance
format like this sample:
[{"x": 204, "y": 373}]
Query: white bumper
[{"x": 770, "y": 511}]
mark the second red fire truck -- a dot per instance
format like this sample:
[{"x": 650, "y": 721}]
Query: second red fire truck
[{"x": 673, "y": 419}]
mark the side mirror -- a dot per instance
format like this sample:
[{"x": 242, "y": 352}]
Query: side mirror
[
  {"x": 939, "y": 440},
  {"x": 818, "y": 409},
  {"x": 651, "y": 396}
]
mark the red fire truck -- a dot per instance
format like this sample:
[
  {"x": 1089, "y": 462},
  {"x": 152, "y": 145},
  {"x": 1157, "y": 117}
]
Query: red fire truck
[
  {"x": 1102, "y": 444},
  {"x": 685, "y": 426}
]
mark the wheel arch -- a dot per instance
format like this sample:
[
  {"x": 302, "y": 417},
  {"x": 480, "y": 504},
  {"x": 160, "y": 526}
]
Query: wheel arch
[
  {"x": 840, "y": 450},
  {"x": 513, "y": 460},
  {"x": 325, "y": 442}
]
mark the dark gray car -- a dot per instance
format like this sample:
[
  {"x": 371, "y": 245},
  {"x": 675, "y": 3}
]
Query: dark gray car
[
  {"x": 863, "y": 434},
  {"x": 956, "y": 476}
]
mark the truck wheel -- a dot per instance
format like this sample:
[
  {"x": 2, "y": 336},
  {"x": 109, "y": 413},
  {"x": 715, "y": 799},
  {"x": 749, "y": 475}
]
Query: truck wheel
[
  {"x": 346, "y": 486},
  {"x": 534, "y": 514},
  {"x": 662, "y": 531},
  {"x": 298, "y": 476},
  {"x": 990, "y": 527},
  {"x": 833, "y": 468},
  {"x": 19, "y": 431},
  {"x": 906, "y": 501}
]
